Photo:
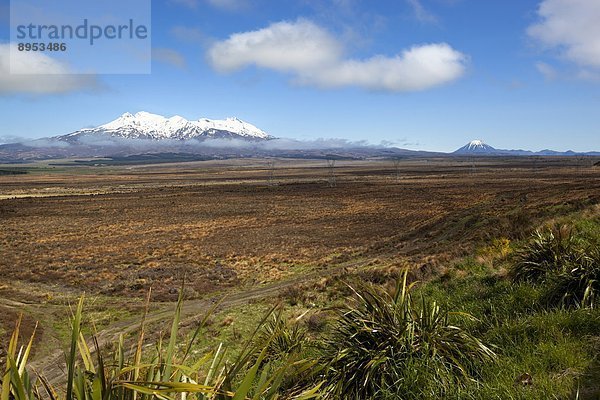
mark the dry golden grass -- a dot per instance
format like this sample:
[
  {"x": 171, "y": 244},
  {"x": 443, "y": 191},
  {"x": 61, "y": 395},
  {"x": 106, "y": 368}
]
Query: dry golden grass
[{"x": 221, "y": 225}]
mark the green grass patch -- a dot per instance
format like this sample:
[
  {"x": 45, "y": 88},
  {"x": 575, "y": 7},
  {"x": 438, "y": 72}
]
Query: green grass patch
[{"x": 557, "y": 347}]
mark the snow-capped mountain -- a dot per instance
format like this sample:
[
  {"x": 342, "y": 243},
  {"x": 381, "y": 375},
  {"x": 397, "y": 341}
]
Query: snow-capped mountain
[
  {"x": 476, "y": 147},
  {"x": 144, "y": 125},
  {"x": 479, "y": 148}
]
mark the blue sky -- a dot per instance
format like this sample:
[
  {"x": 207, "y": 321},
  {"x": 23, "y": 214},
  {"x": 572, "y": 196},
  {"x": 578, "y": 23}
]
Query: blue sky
[{"x": 422, "y": 74}]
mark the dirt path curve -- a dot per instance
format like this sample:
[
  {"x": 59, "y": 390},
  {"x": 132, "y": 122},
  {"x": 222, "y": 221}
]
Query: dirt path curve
[{"x": 53, "y": 365}]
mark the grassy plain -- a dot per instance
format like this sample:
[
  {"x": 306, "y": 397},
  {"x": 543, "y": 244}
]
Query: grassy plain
[{"x": 113, "y": 232}]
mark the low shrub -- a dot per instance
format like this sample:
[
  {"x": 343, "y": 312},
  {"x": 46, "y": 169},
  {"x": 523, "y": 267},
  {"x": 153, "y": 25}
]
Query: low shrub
[
  {"x": 566, "y": 262},
  {"x": 316, "y": 323},
  {"x": 392, "y": 344},
  {"x": 579, "y": 283},
  {"x": 280, "y": 338},
  {"x": 548, "y": 251}
]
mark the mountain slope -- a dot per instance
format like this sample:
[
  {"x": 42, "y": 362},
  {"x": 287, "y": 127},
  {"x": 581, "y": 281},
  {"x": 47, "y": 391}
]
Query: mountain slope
[
  {"x": 479, "y": 148},
  {"x": 144, "y": 125},
  {"x": 476, "y": 147}
]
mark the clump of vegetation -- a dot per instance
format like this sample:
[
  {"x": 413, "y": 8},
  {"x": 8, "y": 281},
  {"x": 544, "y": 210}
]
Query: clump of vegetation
[
  {"x": 566, "y": 261},
  {"x": 549, "y": 251},
  {"x": 293, "y": 294},
  {"x": 164, "y": 372},
  {"x": 579, "y": 283},
  {"x": 280, "y": 338},
  {"x": 316, "y": 323},
  {"x": 392, "y": 344}
]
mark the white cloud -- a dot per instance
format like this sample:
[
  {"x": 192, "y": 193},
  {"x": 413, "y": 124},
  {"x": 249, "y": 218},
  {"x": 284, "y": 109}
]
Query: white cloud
[
  {"x": 547, "y": 70},
  {"x": 418, "y": 68},
  {"x": 168, "y": 56},
  {"x": 572, "y": 27},
  {"x": 39, "y": 143},
  {"x": 38, "y": 74},
  {"x": 10, "y": 139},
  {"x": 283, "y": 46},
  {"x": 315, "y": 57},
  {"x": 421, "y": 14}
]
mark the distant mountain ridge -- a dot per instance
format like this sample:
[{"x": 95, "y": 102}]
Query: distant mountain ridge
[
  {"x": 145, "y": 125},
  {"x": 479, "y": 148},
  {"x": 144, "y": 133}
]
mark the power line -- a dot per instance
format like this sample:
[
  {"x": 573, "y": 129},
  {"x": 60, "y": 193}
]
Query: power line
[{"x": 331, "y": 180}]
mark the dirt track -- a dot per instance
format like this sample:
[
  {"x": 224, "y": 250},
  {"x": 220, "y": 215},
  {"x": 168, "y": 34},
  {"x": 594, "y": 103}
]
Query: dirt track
[{"x": 53, "y": 364}]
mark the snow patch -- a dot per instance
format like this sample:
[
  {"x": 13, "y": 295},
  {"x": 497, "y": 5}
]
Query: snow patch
[{"x": 152, "y": 126}]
